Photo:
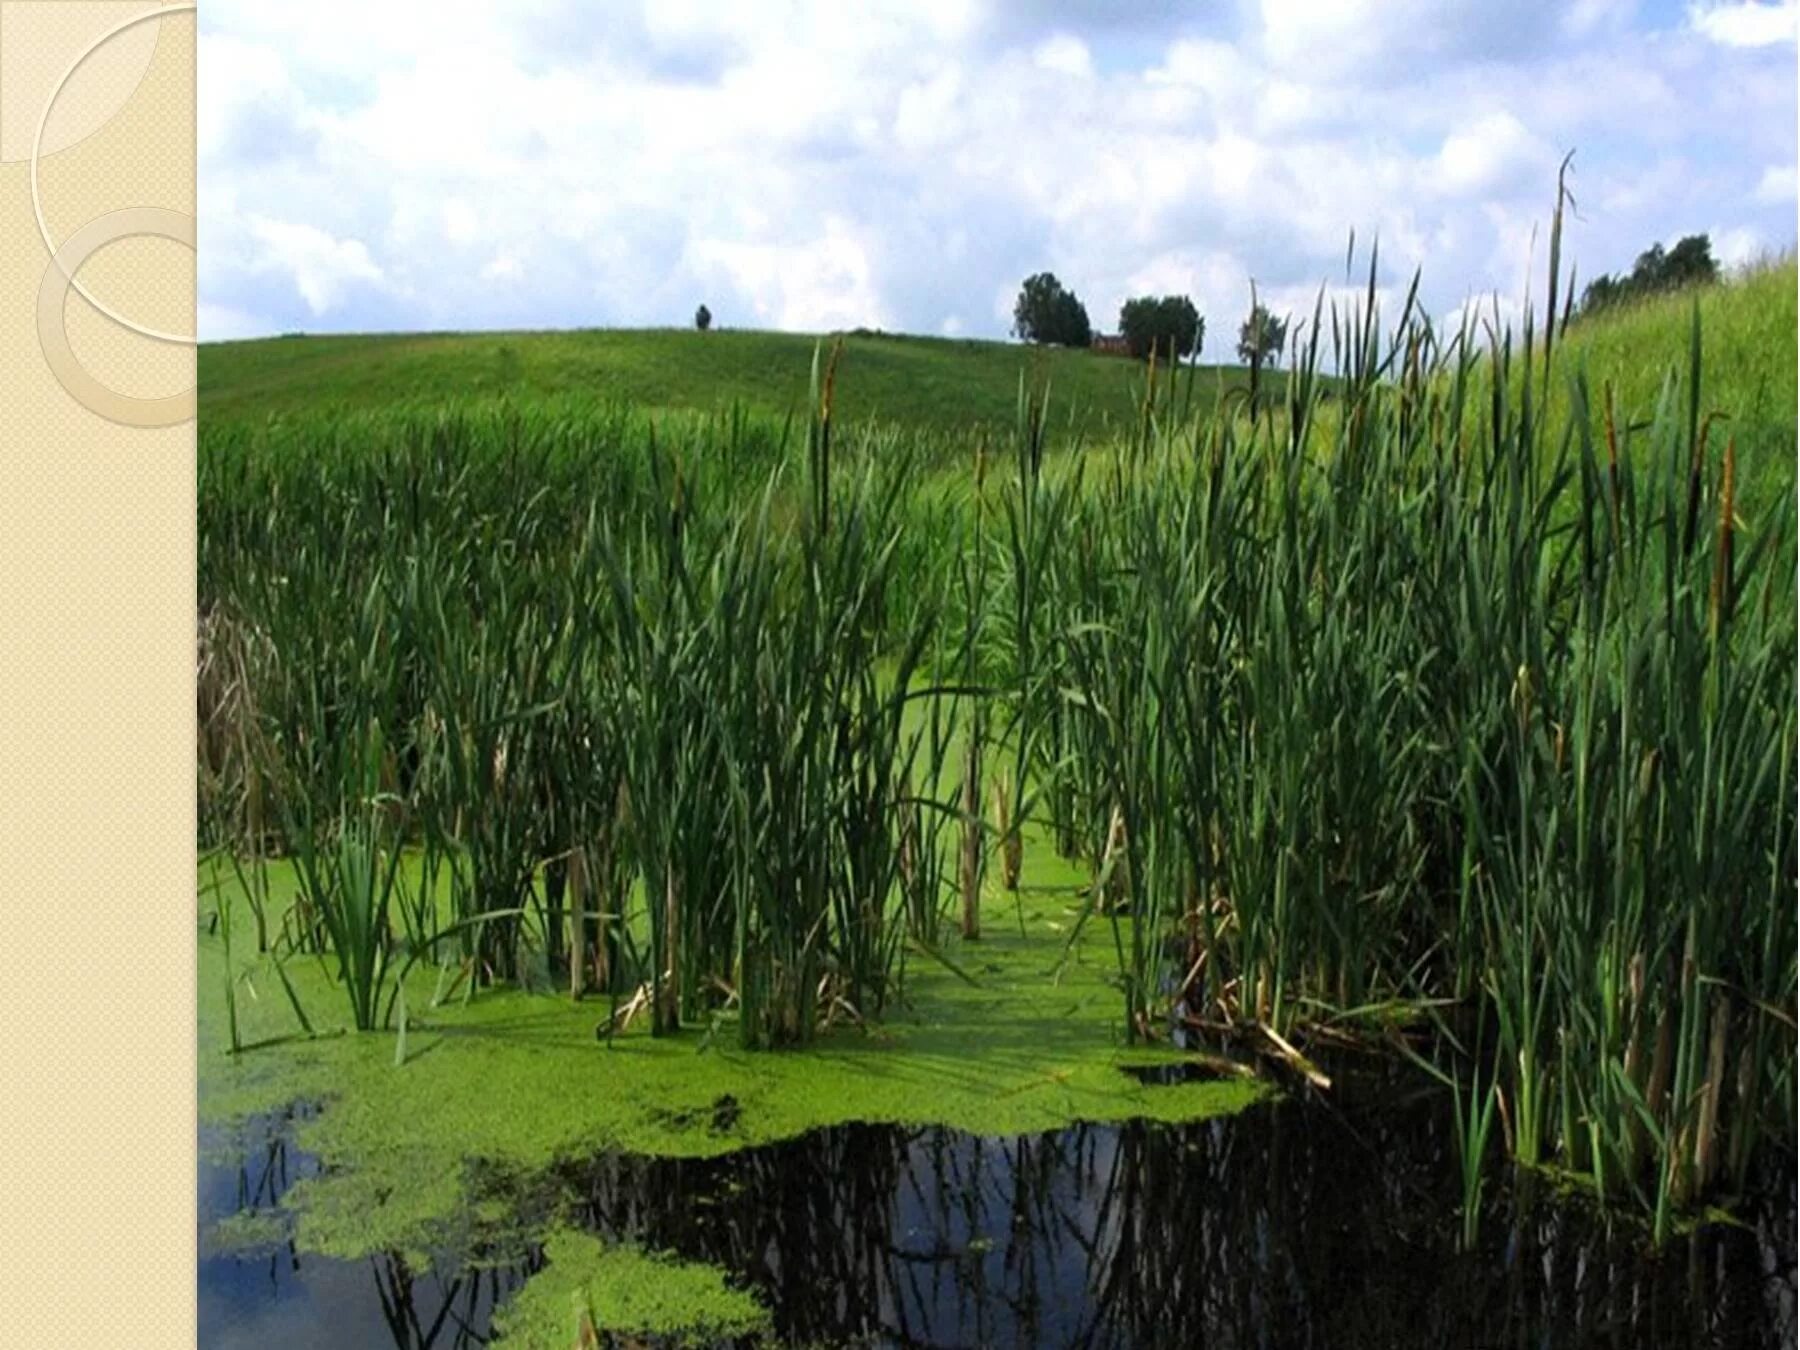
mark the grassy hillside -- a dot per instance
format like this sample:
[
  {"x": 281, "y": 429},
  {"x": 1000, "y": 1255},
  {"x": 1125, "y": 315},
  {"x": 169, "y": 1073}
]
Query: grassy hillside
[
  {"x": 1748, "y": 365},
  {"x": 935, "y": 384},
  {"x": 957, "y": 387}
]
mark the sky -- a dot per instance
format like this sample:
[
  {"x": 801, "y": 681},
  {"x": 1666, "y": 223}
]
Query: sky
[{"x": 472, "y": 164}]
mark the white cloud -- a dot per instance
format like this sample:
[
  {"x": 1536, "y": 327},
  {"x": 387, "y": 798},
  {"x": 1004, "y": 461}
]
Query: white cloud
[
  {"x": 927, "y": 115},
  {"x": 322, "y": 268},
  {"x": 1776, "y": 184},
  {"x": 221, "y": 323},
  {"x": 470, "y": 165},
  {"x": 1351, "y": 38},
  {"x": 821, "y": 283},
  {"x": 234, "y": 77},
  {"x": 502, "y": 267},
  {"x": 1065, "y": 55},
  {"x": 1735, "y": 247},
  {"x": 461, "y": 224},
  {"x": 1487, "y": 153},
  {"x": 1746, "y": 23},
  {"x": 1583, "y": 17}
]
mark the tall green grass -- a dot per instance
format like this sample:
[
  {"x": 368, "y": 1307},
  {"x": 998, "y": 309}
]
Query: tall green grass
[
  {"x": 1443, "y": 700},
  {"x": 470, "y": 644}
]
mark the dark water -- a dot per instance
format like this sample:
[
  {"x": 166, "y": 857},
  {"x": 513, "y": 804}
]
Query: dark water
[
  {"x": 281, "y": 1298},
  {"x": 1300, "y": 1223}
]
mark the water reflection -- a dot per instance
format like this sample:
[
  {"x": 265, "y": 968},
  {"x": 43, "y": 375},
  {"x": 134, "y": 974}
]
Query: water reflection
[
  {"x": 274, "y": 1295},
  {"x": 1299, "y": 1224}
]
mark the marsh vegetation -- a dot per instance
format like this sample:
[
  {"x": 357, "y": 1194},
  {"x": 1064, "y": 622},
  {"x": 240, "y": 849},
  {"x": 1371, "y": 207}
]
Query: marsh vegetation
[{"x": 1443, "y": 705}]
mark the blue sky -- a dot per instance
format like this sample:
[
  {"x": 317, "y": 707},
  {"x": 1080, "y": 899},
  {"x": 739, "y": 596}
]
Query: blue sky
[{"x": 553, "y": 163}]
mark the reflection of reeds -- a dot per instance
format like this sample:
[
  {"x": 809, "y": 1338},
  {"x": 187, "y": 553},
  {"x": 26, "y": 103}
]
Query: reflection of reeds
[{"x": 1233, "y": 1232}]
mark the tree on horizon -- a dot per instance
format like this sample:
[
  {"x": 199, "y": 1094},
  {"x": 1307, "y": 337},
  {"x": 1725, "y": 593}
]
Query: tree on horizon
[
  {"x": 1171, "y": 324},
  {"x": 1047, "y": 312}
]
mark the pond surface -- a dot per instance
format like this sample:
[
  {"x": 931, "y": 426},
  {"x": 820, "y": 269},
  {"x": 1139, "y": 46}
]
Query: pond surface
[{"x": 1303, "y": 1222}]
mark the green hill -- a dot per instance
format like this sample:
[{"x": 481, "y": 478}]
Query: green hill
[
  {"x": 1748, "y": 366},
  {"x": 934, "y": 384},
  {"x": 958, "y": 386}
]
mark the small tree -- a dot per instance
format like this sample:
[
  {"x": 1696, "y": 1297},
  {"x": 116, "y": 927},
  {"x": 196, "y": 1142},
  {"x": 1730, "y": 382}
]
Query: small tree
[
  {"x": 1048, "y": 312},
  {"x": 703, "y": 318},
  {"x": 1261, "y": 338},
  {"x": 1171, "y": 325}
]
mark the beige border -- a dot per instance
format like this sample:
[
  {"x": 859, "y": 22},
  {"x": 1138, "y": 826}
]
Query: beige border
[{"x": 97, "y": 529}]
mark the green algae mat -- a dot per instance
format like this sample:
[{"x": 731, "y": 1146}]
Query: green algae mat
[{"x": 439, "y": 1143}]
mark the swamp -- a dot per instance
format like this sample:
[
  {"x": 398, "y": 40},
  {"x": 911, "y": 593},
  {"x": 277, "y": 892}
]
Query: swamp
[{"x": 1299, "y": 865}]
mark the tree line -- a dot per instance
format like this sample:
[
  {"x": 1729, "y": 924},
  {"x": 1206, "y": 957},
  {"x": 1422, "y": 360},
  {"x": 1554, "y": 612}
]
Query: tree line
[
  {"x": 1049, "y": 313},
  {"x": 1689, "y": 263}
]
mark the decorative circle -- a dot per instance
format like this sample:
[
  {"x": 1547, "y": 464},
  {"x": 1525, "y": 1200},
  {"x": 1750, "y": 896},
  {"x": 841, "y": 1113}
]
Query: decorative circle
[
  {"x": 32, "y": 36},
  {"x": 52, "y": 327},
  {"x": 37, "y": 205}
]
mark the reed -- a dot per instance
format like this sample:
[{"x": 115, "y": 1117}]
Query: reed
[
  {"x": 350, "y": 883},
  {"x": 1435, "y": 699}
]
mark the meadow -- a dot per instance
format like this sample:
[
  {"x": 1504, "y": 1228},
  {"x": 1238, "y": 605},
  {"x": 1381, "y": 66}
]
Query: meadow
[
  {"x": 915, "y": 717},
  {"x": 945, "y": 386}
]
